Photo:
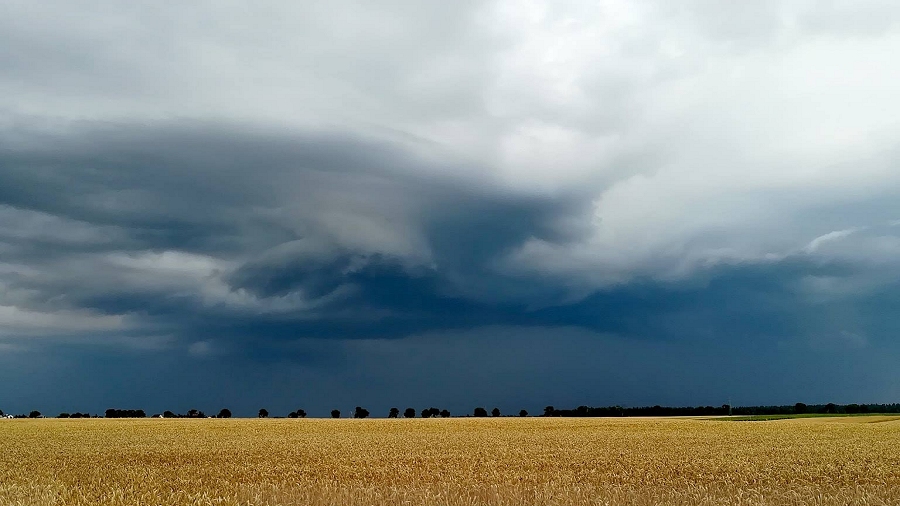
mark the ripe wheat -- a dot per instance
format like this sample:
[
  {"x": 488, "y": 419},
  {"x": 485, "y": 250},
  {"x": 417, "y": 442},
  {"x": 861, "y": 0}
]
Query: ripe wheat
[{"x": 451, "y": 462}]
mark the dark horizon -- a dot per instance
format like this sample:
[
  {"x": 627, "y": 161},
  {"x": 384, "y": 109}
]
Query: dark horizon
[{"x": 798, "y": 408}]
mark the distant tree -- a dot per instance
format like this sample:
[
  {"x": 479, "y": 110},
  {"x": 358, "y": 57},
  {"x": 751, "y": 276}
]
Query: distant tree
[
  {"x": 394, "y": 413},
  {"x": 301, "y": 413},
  {"x": 830, "y": 408},
  {"x": 34, "y": 414},
  {"x": 169, "y": 414},
  {"x": 61, "y": 415},
  {"x": 263, "y": 413},
  {"x": 335, "y": 413},
  {"x": 523, "y": 413},
  {"x": 548, "y": 411},
  {"x": 852, "y": 408},
  {"x": 360, "y": 412},
  {"x": 225, "y": 413},
  {"x": 799, "y": 408},
  {"x": 125, "y": 413},
  {"x": 445, "y": 413},
  {"x": 193, "y": 413},
  {"x": 409, "y": 413},
  {"x": 426, "y": 413},
  {"x": 292, "y": 414},
  {"x": 480, "y": 412},
  {"x": 495, "y": 412},
  {"x": 431, "y": 413}
]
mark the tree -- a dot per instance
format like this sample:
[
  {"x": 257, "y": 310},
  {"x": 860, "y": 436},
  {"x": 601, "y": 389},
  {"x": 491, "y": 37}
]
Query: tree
[
  {"x": 263, "y": 413},
  {"x": 409, "y": 413},
  {"x": 292, "y": 414},
  {"x": 799, "y": 408},
  {"x": 335, "y": 413},
  {"x": 394, "y": 413},
  {"x": 125, "y": 413},
  {"x": 495, "y": 412},
  {"x": 301, "y": 413},
  {"x": 426, "y": 413},
  {"x": 61, "y": 415},
  {"x": 445, "y": 413},
  {"x": 548, "y": 411},
  {"x": 195, "y": 413},
  {"x": 34, "y": 414},
  {"x": 830, "y": 408},
  {"x": 169, "y": 414},
  {"x": 523, "y": 413},
  {"x": 480, "y": 412},
  {"x": 225, "y": 413},
  {"x": 360, "y": 412}
]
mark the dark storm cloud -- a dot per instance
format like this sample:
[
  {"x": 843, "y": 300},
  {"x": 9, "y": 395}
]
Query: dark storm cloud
[
  {"x": 494, "y": 196},
  {"x": 251, "y": 237},
  {"x": 189, "y": 222}
]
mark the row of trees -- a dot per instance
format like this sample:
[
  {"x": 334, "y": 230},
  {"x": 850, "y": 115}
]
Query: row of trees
[
  {"x": 580, "y": 411},
  {"x": 795, "y": 409},
  {"x": 425, "y": 413},
  {"x": 361, "y": 412}
]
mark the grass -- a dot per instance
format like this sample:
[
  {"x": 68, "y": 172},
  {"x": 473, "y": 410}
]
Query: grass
[
  {"x": 452, "y": 462},
  {"x": 764, "y": 418}
]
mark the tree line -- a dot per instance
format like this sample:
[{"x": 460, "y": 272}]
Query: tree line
[
  {"x": 549, "y": 411},
  {"x": 793, "y": 409}
]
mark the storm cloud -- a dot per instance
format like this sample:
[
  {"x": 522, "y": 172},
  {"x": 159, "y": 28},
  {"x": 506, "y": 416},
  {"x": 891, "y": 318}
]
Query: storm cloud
[{"x": 286, "y": 204}]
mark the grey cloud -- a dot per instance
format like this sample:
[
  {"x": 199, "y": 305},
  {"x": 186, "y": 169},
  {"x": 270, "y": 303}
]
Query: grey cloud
[
  {"x": 265, "y": 183},
  {"x": 145, "y": 59},
  {"x": 144, "y": 220},
  {"x": 871, "y": 18}
]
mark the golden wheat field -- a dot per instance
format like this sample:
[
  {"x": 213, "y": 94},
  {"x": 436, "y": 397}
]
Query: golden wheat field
[{"x": 504, "y": 461}]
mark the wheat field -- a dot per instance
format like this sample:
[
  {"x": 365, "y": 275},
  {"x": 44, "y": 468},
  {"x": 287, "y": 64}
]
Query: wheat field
[{"x": 502, "y": 461}]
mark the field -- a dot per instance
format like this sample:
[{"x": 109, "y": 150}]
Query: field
[{"x": 503, "y": 461}]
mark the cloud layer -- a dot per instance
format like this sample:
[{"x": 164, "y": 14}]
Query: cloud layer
[{"x": 290, "y": 184}]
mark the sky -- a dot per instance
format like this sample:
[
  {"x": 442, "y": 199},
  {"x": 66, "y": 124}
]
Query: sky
[{"x": 510, "y": 203}]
